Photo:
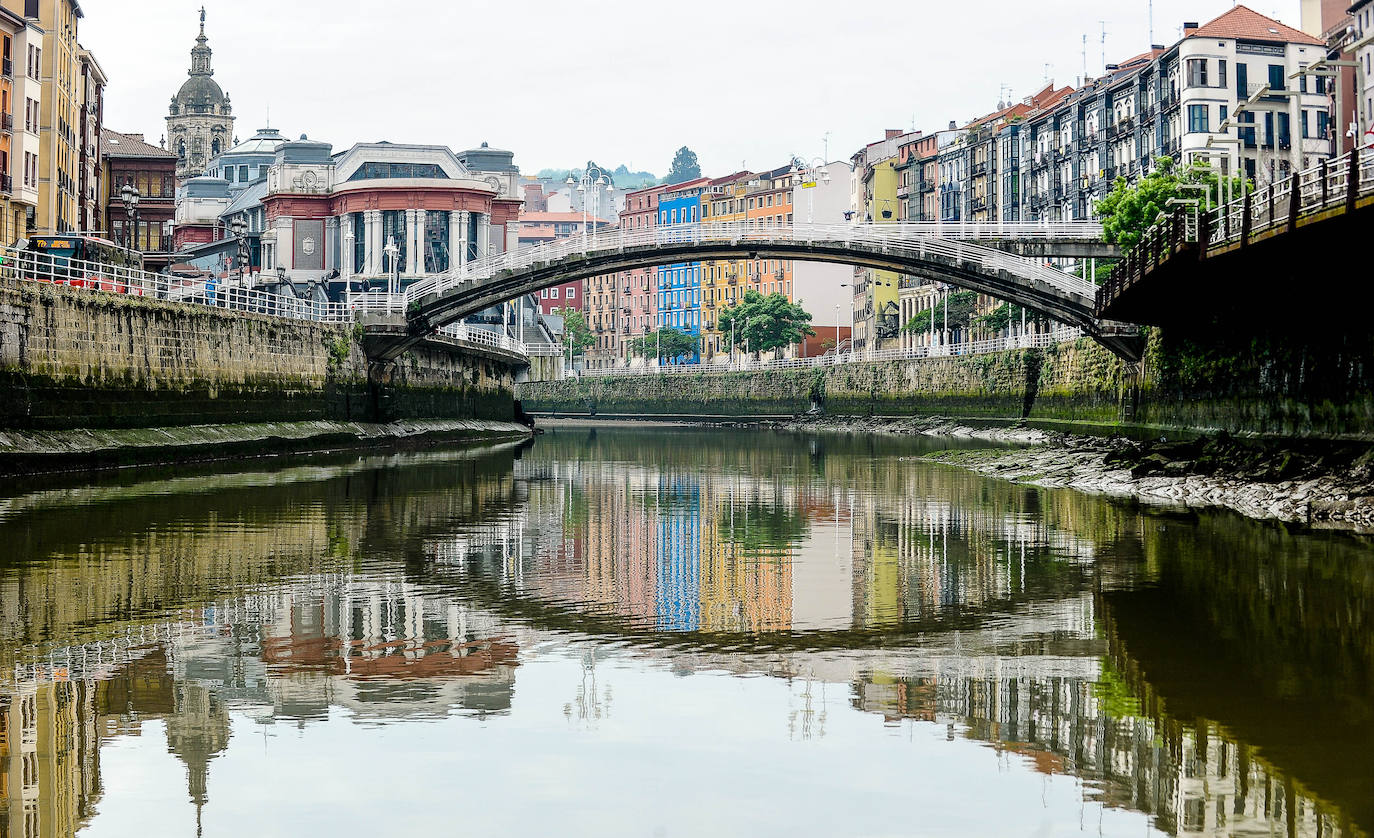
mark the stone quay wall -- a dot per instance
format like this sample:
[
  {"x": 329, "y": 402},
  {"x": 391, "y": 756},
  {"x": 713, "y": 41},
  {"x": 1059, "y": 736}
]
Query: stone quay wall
[
  {"x": 1257, "y": 386},
  {"x": 76, "y": 359}
]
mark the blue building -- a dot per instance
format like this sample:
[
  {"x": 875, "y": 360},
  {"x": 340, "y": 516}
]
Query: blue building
[{"x": 679, "y": 285}]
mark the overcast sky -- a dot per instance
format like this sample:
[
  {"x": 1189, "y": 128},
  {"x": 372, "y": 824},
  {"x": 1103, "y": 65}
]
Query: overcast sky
[{"x": 744, "y": 83}]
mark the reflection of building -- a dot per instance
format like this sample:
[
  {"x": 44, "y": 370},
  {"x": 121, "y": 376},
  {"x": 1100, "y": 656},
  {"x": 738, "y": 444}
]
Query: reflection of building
[
  {"x": 49, "y": 759},
  {"x": 679, "y": 563}
]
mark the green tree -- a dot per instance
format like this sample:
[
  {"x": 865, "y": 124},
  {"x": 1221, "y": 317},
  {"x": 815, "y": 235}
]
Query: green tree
[
  {"x": 575, "y": 332},
  {"x": 685, "y": 167},
  {"x": 766, "y": 323},
  {"x": 1132, "y": 208},
  {"x": 665, "y": 343}
]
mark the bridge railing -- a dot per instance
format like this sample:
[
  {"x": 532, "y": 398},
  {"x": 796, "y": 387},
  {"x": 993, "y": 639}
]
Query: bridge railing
[
  {"x": 484, "y": 337},
  {"x": 1039, "y": 340},
  {"x": 910, "y": 240},
  {"x": 38, "y": 267},
  {"x": 1328, "y": 185}
]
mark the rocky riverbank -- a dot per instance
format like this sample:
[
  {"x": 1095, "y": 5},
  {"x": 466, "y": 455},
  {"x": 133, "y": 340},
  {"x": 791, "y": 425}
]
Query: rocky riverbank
[{"x": 1322, "y": 485}]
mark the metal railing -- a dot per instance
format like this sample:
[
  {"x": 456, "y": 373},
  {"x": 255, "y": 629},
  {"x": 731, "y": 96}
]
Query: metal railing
[
  {"x": 32, "y": 266},
  {"x": 916, "y": 240},
  {"x": 1329, "y": 184},
  {"x": 1040, "y": 340},
  {"x": 483, "y": 337}
]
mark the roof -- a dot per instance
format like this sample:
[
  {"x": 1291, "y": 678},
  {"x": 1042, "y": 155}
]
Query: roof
[
  {"x": 115, "y": 144},
  {"x": 555, "y": 217},
  {"x": 249, "y": 197},
  {"x": 265, "y": 141},
  {"x": 1248, "y": 24}
]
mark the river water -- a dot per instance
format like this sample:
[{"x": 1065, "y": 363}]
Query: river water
[{"x": 670, "y": 632}]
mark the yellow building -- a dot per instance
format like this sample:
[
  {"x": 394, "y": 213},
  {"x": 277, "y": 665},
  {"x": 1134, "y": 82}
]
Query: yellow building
[
  {"x": 762, "y": 201},
  {"x": 61, "y": 123},
  {"x": 876, "y": 305}
]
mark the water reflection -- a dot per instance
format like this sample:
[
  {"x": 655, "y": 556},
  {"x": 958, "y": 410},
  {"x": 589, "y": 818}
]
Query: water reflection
[{"x": 737, "y": 601}]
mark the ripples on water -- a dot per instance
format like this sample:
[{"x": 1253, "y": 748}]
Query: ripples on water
[{"x": 670, "y": 632}]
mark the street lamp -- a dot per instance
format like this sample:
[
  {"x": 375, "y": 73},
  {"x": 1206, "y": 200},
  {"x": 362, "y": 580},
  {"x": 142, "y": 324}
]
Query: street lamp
[
  {"x": 129, "y": 195},
  {"x": 394, "y": 286},
  {"x": 593, "y": 184},
  {"x": 239, "y": 228},
  {"x": 809, "y": 175},
  {"x": 346, "y": 268}
]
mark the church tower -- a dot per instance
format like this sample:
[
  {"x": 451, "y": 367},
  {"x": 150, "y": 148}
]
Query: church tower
[{"x": 200, "y": 122}]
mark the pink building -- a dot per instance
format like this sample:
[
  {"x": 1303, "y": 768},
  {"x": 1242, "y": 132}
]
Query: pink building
[{"x": 638, "y": 286}]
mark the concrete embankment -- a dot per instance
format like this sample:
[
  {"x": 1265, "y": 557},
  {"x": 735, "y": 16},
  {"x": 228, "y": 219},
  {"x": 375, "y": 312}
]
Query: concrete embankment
[
  {"x": 33, "y": 451},
  {"x": 1185, "y": 385}
]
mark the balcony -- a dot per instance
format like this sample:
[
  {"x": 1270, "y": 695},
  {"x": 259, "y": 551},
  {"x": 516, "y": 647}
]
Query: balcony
[
  {"x": 7, "y": 68},
  {"x": 978, "y": 169},
  {"x": 926, "y": 186},
  {"x": 6, "y": 184},
  {"x": 7, "y": 122},
  {"x": 904, "y": 191}
]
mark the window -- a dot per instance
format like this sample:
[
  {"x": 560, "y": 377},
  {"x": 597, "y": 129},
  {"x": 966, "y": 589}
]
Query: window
[
  {"x": 1276, "y": 77},
  {"x": 1197, "y": 119},
  {"x": 1221, "y": 73},
  {"x": 1197, "y": 72},
  {"x": 243, "y": 174}
]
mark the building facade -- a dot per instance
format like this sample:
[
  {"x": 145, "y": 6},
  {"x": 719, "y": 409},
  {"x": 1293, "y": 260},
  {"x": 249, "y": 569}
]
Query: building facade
[
  {"x": 200, "y": 120},
  {"x": 90, "y": 189},
  {"x": 128, "y": 160},
  {"x": 53, "y": 53}
]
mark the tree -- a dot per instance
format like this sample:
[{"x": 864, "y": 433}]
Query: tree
[
  {"x": 1132, "y": 208},
  {"x": 665, "y": 343},
  {"x": 576, "y": 335},
  {"x": 766, "y": 323},
  {"x": 685, "y": 167}
]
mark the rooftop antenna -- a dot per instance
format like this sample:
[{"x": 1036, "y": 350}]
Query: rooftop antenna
[
  {"x": 1085, "y": 58},
  {"x": 826, "y": 139},
  {"x": 1150, "y": 17},
  {"x": 1103, "y": 24},
  {"x": 1047, "y": 73}
]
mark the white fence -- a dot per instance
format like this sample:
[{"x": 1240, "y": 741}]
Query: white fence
[
  {"x": 215, "y": 293},
  {"x": 1039, "y": 340}
]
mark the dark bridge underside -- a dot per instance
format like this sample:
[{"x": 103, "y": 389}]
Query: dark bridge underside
[{"x": 435, "y": 310}]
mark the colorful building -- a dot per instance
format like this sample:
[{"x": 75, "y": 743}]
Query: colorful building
[
  {"x": 722, "y": 281},
  {"x": 54, "y": 57},
  {"x": 128, "y": 160},
  {"x": 677, "y": 296}
]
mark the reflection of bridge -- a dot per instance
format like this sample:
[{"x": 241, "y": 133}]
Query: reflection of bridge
[{"x": 969, "y": 256}]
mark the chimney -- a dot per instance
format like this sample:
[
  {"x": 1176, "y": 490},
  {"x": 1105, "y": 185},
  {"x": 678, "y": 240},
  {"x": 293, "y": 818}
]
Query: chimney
[
  {"x": 1189, "y": 27},
  {"x": 892, "y": 133},
  {"x": 138, "y": 137},
  {"x": 953, "y": 126}
]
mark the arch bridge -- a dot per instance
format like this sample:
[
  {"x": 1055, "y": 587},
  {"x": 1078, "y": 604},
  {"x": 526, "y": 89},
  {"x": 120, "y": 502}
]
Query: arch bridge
[{"x": 959, "y": 255}]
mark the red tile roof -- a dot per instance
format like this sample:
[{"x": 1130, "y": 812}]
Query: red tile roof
[{"x": 1244, "y": 22}]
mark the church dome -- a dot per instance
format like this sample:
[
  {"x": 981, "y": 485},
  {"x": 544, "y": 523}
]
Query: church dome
[{"x": 200, "y": 92}]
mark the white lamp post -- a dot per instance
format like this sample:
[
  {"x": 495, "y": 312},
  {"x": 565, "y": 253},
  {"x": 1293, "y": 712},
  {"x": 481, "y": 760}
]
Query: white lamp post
[
  {"x": 590, "y": 185},
  {"x": 346, "y": 269},
  {"x": 394, "y": 286},
  {"x": 811, "y": 174}
]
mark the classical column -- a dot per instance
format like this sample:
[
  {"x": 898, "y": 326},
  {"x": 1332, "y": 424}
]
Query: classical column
[
  {"x": 483, "y": 235},
  {"x": 373, "y": 256},
  {"x": 464, "y": 220},
  {"x": 455, "y": 231}
]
